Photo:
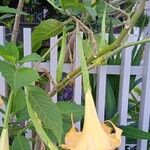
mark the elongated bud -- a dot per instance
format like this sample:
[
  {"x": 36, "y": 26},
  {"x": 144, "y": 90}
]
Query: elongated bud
[{"x": 4, "y": 144}]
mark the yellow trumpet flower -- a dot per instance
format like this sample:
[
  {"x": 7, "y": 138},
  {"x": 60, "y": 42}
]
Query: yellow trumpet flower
[{"x": 95, "y": 135}]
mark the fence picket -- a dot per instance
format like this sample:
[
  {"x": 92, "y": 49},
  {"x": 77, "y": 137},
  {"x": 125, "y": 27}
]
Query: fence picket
[
  {"x": 27, "y": 50},
  {"x": 124, "y": 90},
  {"x": 101, "y": 91},
  {"x": 145, "y": 101},
  {"x": 78, "y": 81},
  {"x": 3, "y": 85},
  {"x": 53, "y": 63}
]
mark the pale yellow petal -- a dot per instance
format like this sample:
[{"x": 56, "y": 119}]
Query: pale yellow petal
[{"x": 95, "y": 135}]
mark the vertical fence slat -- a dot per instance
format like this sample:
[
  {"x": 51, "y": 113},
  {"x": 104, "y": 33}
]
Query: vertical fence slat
[
  {"x": 3, "y": 85},
  {"x": 101, "y": 91},
  {"x": 124, "y": 89},
  {"x": 27, "y": 44},
  {"x": 53, "y": 63},
  {"x": 145, "y": 98},
  {"x": 78, "y": 81},
  {"x": 27, "y": 49}
]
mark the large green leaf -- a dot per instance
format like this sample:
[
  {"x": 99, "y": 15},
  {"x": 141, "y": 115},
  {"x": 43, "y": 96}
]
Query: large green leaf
[
  {"x": 19, "y": 101},
  {"x": 20, "y": 143},
  {"x": 38, "y": 124},
  {"x": 135, "y": 133},
  {"x": 18, "y": 78},
  {"x": 9, "y": 52},
  {"x": 46, "y": 110},
  {"x": 6, "y": 9},
  {"x": 31, "y": 58},
  {"x": 24, "y": 76},
  {"x": 45, "y": 30}
]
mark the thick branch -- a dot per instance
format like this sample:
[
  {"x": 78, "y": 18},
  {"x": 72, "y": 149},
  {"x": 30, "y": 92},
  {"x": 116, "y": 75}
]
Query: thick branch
[{"x": 17, "y": 22}]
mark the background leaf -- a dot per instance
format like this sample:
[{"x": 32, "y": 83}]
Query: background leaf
[
  {"x": 19, "y": 101},
  {"x": 46, "y": 29},
  {"x": 20, "y": 143},
  {"x": 31, "y": 58},
  {"x": 135, "y": 133},
  {"x": 6, "y": 9}
]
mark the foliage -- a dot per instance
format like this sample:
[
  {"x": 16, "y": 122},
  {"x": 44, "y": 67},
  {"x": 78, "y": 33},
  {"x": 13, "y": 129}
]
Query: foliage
[{"x": 29, "y": 103}]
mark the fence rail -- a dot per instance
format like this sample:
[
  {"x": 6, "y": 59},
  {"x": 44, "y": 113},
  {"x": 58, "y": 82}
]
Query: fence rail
[{"x": 125, "y": 70}]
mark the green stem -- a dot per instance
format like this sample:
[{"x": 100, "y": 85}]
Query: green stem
[
  {"x": 8, "y": 110},
  {"x": 77, "y": 72},
  {"x": 108, "y": 48}
]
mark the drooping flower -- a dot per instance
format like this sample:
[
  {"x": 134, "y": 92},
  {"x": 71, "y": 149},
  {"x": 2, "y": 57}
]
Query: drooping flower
[{"x": 95, "y": 134}]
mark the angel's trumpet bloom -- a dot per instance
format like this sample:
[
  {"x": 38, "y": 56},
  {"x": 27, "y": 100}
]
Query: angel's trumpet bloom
[
  {"x": 4, "y": 144},
  {"x": 95, "y": 135}
]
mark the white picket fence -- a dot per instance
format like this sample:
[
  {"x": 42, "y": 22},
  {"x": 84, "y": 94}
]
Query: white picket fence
[{"x": 124, "y": 70}]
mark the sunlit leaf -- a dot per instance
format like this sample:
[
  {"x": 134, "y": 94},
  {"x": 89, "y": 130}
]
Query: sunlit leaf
[
  {"x": 46, "y": 111},
  {"x": 31, "y": 58},
  {"x": 38, "y": 125}
]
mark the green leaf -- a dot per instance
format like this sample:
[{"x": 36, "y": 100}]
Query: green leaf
[
  {"x": 19, "y": 101},
  {"x": 135, "y": 133},
  {"x": 87, "y": 47},
  {"x": 8, "y": 72},
  {"x": 6, "y": 16},
  {"x": 18, "y": 78},
  {"x": 72, "y": 4},
  {"x": 46, "y": 110},
  {"x": 91, "y": 11},
  {"x": 111, "y": 106},
  {"x": 61, "y": 57},
  {"x": 6, "y": 9},
  {"x": 20, "y": 143},
  {"x": 22, "y": 115},
  {"x": 10, "y": 52},
  {"x": 68, "y": 108},
  {"x": 24, "y": 77},
  {"x": 31, "y": 58},
  {"x": 37, "y": 123},
  {"x": 102, "y": 41},
  {"x": 45, "y": 30},
  {"x": 56, "y": 4},
  {"x": 84, "y": 67}
]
